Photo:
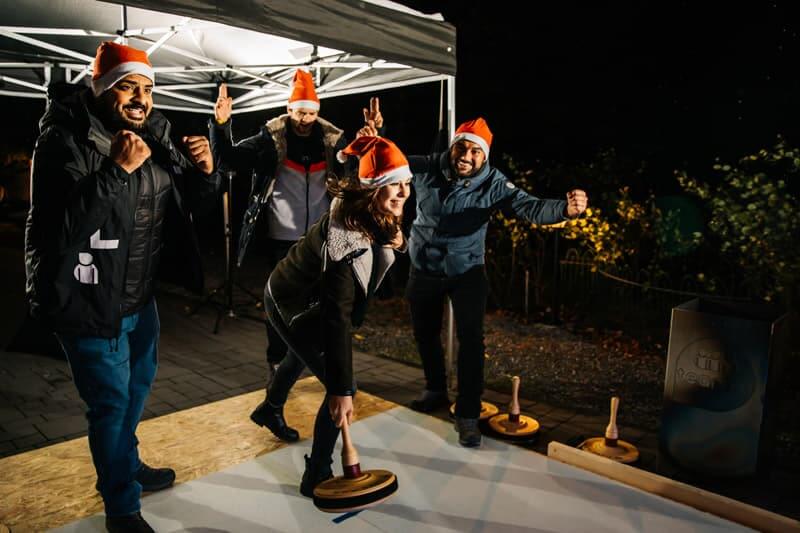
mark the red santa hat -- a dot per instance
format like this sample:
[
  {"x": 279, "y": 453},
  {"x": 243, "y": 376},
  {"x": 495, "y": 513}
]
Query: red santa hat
[
  {"x": 380, "y": 161},
  {"x": 476, "y": 131},
  {"x": 115, "y": 61},
  {"x": 303, "y": 93}
]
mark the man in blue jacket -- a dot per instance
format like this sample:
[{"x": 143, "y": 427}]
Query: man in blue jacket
[{"x": 457, "y": 191}]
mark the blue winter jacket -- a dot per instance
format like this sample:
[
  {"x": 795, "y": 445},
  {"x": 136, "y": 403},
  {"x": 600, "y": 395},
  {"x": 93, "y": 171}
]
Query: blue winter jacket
[{"x": 449, "y": 233}]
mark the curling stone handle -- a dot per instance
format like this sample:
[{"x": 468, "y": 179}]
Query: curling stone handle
[
  {"x": 611, "y": 429},
  {"x": 514, "y": 407},
  {"x": 349, "y": 453}
]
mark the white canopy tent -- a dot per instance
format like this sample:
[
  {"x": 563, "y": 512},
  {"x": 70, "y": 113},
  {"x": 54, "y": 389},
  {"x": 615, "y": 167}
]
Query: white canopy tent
[
  {"x": 255, "y": 46},
  {"x": 350, "y": 46}
]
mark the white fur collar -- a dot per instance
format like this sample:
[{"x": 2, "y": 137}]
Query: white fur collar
[{"x": 341, "y": 242}]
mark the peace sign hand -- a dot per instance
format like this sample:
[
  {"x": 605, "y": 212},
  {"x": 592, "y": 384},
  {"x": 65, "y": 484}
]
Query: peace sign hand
[{"x": 374, "y": 113}]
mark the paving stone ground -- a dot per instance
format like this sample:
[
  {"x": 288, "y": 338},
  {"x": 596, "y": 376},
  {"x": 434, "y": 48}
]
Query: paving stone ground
[{"x": 39, "y": 405}]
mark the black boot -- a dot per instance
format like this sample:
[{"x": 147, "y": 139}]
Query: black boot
[
  {"x": 430, "y": 401},
  {"x": 131, "y": 523},
  {"x": 271, "y": 417},
  {"x": 151, "y": 479},
  {"x": 315, "y": 474},
  {"x": 469, "y": 435}
]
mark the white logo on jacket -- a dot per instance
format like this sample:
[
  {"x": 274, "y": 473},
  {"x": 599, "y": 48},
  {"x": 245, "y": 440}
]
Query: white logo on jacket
[
  {"x": 97, "y": 243},
  {"x": 85, "y": 271}
]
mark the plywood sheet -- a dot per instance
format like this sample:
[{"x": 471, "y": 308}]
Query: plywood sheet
[{"x": 52, "y": 486}]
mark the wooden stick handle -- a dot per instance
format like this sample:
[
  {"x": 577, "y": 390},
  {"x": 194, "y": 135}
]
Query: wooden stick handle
[
  {"x": 349, "y": 453},
  {"x": 350, "y": 463},
  {"x": 514, "y": 407},
  {"x": 611, "y": 429}
]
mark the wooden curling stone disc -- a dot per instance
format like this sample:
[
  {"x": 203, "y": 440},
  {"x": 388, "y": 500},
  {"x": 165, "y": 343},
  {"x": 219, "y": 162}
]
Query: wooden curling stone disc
[
  {"x": 488, "y": 410},
  {"x": 342, "y": 494},
  {"x": 623, "y": 452},
  {"x": 527, "y": 427}
]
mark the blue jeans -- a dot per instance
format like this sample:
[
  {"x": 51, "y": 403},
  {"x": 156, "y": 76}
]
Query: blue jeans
[{"x": 113, "y": 377}]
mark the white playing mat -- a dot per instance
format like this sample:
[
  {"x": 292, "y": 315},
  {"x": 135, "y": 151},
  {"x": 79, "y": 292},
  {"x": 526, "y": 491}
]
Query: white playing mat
[{"x": 442, "y": 487}]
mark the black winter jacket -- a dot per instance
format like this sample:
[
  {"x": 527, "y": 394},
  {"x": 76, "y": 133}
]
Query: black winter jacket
[
  {"x": 338, "y": 268},
  {"x": 82, "y": 213}
]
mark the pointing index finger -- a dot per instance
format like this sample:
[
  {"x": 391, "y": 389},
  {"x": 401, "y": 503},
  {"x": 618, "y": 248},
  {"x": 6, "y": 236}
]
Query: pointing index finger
[{"x": 223, "y": 90}]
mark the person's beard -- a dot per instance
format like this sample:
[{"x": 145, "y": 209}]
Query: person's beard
[
  {"x": 454, "y": 170},
  {"x": 136, "y": 127},
  {"x": 115, "y": 120},
  {"x": 301, "y": 130}
]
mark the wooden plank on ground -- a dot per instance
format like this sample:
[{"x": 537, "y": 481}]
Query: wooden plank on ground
[{"x": 727, "y": 508}]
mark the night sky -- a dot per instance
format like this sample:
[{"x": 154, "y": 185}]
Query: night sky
[
  {"x": 677, "y": 83},
  {"x": 673, "y": 83}
]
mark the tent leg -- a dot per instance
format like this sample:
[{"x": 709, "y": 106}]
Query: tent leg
[{"x": 452, "y": 382}]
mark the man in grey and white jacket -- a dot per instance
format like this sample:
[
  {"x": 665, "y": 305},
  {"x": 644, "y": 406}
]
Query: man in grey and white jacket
[{"x": 289, "y": 159}]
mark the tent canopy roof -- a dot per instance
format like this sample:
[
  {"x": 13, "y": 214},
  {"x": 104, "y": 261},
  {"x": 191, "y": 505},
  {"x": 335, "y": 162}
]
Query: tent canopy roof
[{"x": 350, "y": 46}]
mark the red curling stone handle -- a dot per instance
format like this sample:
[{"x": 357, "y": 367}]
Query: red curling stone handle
[{"x": 352, "y": 471}]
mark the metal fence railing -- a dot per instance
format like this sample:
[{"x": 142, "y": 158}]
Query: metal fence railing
[{"x": 620, "y": 296}]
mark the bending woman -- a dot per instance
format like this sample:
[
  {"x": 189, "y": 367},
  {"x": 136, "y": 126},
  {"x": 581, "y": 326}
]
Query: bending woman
[{"x": 320, "y": 289}]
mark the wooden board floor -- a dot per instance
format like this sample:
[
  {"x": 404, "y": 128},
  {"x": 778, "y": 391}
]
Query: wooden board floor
[{"x": 53, "y": 486}]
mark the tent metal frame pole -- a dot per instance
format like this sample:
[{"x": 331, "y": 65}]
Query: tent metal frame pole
[
  {"x": 80, "y": 76},
  {"x": 23, "y": 83},
  {"x": 179, "y": 96},
  {"x": 341, "y": 79},
  {"x": 57, "y": 31},
  {"x": 22, "y": 94},
  {"x": 195, "y": 25},
  {"x": 269, "y": 82},
  {"x": 378, "y": 87},
  {"x": 452, "y": 382},
  {"x": 167, "y": 36},
  {"x": 123, "y": 39},
  {"x": 47, "y": 46}
]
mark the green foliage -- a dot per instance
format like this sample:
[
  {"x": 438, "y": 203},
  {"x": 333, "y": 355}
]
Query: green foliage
[
  {"x": 617, "y": 230},
  {"x": 754, "y": 220}
]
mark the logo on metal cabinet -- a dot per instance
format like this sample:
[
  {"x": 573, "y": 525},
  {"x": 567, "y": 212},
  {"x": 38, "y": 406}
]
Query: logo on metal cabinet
[{"x": 706, "y": 375}]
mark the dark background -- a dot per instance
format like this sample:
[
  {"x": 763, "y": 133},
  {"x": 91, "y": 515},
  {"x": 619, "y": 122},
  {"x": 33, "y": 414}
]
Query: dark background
[
  {"x": 677, "y": 84},
  {"x": 667, "y": 85}
]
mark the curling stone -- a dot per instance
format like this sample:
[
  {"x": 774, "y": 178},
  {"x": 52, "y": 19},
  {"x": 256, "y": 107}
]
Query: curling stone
[
  {"x": 513, "y": 425},
  {"x": 488, "y": 410},
  {"x": 611, "y": 446},
  {"x": 356, "y": 489}
]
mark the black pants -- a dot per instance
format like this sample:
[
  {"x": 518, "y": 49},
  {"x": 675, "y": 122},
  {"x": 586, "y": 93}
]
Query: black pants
[
  {"x": 302, "y": 352},
  {"x": 276, "y": 348},
  {"x": 468, "y": 292}
]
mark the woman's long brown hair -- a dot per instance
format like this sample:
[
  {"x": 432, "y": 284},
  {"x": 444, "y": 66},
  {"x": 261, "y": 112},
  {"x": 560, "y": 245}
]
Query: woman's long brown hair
[{"x": 359, "y": 210}]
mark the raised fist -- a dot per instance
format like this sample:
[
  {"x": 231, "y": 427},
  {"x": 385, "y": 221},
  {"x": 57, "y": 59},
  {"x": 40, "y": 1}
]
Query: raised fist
[
  {"x": 128, "y": 150},
  {"x": 576, "y": 202},
  {"x": 199, "y": 151}
]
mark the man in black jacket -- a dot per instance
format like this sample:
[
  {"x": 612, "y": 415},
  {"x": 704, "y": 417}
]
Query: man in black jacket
[{"x": 108, "y": 188}]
